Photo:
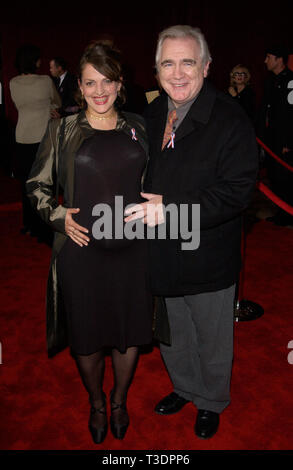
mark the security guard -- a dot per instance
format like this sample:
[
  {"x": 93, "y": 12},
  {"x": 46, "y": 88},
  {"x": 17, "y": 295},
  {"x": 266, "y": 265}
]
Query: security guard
[{"x": 275, "y": 126}]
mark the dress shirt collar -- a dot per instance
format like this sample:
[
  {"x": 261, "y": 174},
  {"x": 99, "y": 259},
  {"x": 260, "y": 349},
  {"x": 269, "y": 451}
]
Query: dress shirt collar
[
  {"x": 61, "y": 78},
  {"x": 181, "y": 111}
]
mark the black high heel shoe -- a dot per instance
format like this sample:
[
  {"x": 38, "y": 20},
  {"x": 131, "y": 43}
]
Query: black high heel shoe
[
  {"x": 118, "y": 430},
  {"x": 98, "y": 434}
]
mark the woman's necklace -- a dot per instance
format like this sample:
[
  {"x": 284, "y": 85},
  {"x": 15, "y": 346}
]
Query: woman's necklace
[{"x": 93, "y": 116}]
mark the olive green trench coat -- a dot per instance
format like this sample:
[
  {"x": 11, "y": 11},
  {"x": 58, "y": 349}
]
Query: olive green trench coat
[{"x": 54, "y": 167}]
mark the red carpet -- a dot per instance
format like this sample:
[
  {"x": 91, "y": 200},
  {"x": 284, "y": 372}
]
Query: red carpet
[{"x": 44, "y": 405}]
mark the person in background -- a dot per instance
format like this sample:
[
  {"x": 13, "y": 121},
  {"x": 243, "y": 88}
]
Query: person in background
[
  {"x": 202, "y": 152},
  {"x": 103, "y": 281},
  {"x": 136, "y": 101},
  {"x": 35, "y": 97},
  {"x": 275, "y": 127},
  {"x": 66, "y": 84},
  {"x": 241, "y": 90}
]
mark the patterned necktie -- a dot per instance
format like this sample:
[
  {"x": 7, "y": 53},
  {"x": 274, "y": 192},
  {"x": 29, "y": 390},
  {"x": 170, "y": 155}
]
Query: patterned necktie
[{"x": 172, "y": 117}]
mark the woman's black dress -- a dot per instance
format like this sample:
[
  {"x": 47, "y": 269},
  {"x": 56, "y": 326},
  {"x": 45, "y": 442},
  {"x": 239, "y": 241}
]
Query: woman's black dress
[{"x": 105, "y": 285}]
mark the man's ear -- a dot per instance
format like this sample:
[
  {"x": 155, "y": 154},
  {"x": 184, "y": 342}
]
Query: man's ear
[{"x": 206, "y": 70}]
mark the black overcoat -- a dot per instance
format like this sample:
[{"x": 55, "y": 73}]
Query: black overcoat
[
  {"x": 67, "y": 91},
  {"x": 275, "y": 117},
  {"x": 214, "y": 163}
]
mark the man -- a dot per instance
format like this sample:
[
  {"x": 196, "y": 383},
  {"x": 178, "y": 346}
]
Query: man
[
  {"x": 210, "y": 160},
  {"x": 275, "y": 126},
  {"x": 66, "y": 85}
]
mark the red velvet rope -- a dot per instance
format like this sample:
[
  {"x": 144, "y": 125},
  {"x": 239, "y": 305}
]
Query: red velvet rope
[
  {"x": 268, "y": 192},
  {"x": 268, "y": 150},
  {"x": 264, "y": 189}
]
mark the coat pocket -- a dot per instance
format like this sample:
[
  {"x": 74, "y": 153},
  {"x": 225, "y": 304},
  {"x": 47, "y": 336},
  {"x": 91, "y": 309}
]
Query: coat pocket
[{"x": 206, "y": 263}]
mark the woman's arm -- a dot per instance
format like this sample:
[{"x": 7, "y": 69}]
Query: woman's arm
[
  {"x": 55, "y": 97},
  {"x": 41, "y": 188},
  {"x": 42, "y": 180}
]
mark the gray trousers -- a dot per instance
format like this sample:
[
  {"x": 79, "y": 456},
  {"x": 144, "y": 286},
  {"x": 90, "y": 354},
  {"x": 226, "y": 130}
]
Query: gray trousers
[{"x": 199, "y": 360}]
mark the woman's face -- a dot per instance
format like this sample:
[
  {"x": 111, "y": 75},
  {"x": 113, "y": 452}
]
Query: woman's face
[
  {"x": 99, "y": 91},
  {"x": 239, "y": 76}
]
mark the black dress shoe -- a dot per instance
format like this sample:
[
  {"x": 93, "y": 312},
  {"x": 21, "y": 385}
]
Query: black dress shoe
[
  {"x": 25, "y": 230},
  {"x": 284, "y": 221},
  {"x": 207, "y": 423},
  {"x": 170, "y": 404},
  {"x": 98, "y": 433},
  {"x": 118, "y": 429},
  {"x": 281, "y": 219}
]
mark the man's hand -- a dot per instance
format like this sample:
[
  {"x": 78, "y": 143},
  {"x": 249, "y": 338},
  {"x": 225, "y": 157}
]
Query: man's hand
[
  {"x": 285, "y": 150},
  {"x": 151, "y": 212}
]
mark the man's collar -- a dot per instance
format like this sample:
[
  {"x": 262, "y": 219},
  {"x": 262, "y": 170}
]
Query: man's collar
[
  {"x": 284, "y": 71},
  {"x": 180, "y": 109},
  {"x": 202, "y": 107},
  {"x": 61, "y": 78}
]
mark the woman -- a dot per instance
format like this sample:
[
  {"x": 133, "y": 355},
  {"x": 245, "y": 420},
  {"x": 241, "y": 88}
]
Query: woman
[
  {"x": 34, "y": 97},
  {"x": 103, "y": 282},
  {"x": 241, "y": 90}
]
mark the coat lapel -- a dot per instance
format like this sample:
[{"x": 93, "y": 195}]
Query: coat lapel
[
  {"x": 157, "y": 123},
  {"x": 74, "y": 137},
  {"x": 199, "y": 113},
  {"x": 187, "y": 126}
]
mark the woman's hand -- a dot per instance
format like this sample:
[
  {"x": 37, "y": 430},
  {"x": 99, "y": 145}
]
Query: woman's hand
[
  {"x": 232, "y": 91},
  {"x": 75, "y": 231},
  {"x": 54, "y": 114}
]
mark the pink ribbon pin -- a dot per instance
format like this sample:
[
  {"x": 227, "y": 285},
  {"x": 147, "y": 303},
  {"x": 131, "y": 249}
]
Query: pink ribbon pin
[
  {"x": 133, "y": 134},
  {"x": 172, "y": 138}
]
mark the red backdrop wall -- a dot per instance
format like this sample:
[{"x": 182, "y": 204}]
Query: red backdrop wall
[{"x": 236, "y": 33}]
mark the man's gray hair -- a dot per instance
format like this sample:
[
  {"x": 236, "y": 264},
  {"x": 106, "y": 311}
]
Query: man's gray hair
[{"x": 184, "y": 31}]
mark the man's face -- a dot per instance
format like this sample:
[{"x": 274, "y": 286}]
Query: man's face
[
  {"x": 272, "y": 62},
  {"x": 181, "y": 72},
  {"x": 54, "y": 70}
]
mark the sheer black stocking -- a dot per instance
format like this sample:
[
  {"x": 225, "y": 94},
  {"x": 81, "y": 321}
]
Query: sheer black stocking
[
  {"x": 91, "y": 369},
  {"x": 124, "y": 365}
]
